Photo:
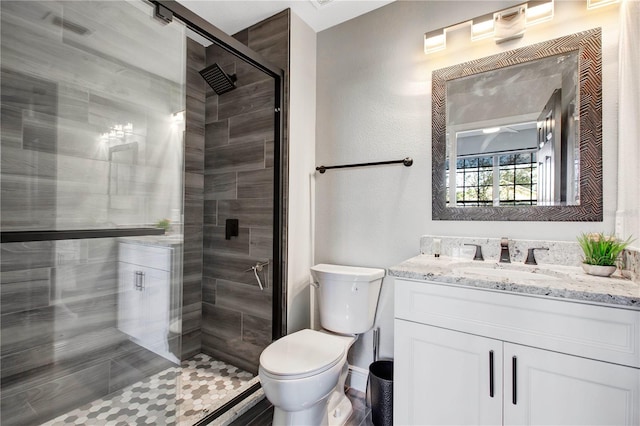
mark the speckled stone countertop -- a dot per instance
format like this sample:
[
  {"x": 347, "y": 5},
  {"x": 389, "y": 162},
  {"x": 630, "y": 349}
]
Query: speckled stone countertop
[
  {"x": 155, "y": 240},
  {"x": 564, "y": 282}
]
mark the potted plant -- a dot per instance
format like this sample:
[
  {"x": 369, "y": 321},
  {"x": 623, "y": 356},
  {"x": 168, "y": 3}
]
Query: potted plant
[{"x": 601, "y": 253}]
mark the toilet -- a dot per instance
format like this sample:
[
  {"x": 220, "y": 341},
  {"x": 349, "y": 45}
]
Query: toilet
[{"x": 303, "y": 374}]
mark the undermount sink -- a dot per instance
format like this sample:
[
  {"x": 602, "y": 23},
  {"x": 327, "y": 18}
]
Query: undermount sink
[
  {"x": 506, "y": 271},
  {"x": 513, "y": 275}
]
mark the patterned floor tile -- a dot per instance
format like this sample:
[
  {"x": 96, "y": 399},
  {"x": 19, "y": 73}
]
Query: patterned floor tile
[{"x": 202, "y": 381}]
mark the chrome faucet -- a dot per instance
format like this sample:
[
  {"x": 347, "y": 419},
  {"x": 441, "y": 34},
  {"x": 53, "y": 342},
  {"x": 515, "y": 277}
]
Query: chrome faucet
[{"x": 505, "y": 257}]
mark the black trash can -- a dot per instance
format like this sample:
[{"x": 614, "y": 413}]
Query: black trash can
[{"x": 381, "y": 391}]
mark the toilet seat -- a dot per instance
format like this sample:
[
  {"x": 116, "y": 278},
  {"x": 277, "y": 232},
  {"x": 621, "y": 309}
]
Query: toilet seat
[{"x": 302, "y": 354}]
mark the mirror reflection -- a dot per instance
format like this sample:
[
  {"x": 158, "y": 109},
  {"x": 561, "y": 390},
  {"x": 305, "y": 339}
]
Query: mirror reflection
[{"x": 512, "y": 135}]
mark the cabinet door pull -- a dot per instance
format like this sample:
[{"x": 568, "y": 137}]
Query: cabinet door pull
[
  {"x": 514, "y": 380},
  {"x": 138, "y": 277},
  {"x": 491, "y": 374}
]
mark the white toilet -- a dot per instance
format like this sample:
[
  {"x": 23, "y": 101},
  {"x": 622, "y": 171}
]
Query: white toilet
[{"x": 303, "y": 374}]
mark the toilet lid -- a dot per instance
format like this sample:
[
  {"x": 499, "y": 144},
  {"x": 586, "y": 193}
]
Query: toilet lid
[{"x": 303, "y": 353}]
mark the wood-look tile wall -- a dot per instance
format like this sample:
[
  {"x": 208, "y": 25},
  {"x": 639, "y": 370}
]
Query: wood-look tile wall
[
  {"x": 238, "y": 184},
  {"x": 193, "y": 202}
]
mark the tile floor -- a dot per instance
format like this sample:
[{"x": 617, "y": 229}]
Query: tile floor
[
  {"x": 203, "y": 382},
  {"x": 262, "y": 413}
]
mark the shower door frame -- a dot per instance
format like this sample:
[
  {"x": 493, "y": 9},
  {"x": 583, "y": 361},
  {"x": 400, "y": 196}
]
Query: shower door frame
[{"x": 166, "y": 10}]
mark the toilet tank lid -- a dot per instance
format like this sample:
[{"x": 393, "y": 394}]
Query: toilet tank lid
[
  {"x": 303, "y": 353},
  {"x": 346, "y": 273}
]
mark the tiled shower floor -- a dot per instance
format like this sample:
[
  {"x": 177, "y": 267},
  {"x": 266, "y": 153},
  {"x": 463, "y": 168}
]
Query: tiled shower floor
[{"x": 202, "y": 383}]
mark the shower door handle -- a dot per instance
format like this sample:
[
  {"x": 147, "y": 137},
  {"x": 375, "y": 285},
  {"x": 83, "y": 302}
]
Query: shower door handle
[{"x": 138, "y": 280}]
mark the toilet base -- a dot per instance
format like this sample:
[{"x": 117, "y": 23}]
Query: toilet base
[
  {"x": 339, "y": 409},
  {"x": 334, "y": 411}
]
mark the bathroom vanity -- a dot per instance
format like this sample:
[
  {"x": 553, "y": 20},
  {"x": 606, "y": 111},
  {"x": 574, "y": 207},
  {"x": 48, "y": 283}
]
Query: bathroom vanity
[
  {"x": 491, "y": 343},
  {"x": 148, "y": 297}
]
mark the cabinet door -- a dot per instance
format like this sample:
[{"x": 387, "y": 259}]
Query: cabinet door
[
  {"x": 445, "y": 377},
  {"x": 558, "y": 389},
  {"x": 156, "y": 292},
  {"x": 131, "y": 314}
]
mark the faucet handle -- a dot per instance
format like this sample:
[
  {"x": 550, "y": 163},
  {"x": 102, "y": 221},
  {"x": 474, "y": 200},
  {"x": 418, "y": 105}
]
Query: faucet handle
[
  {"x": 531, "y": 259},
  {"x": 478, "y": 255}
]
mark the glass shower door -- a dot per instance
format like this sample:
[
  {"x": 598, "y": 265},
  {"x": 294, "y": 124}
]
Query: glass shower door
[{"x": 93, "y": 99}]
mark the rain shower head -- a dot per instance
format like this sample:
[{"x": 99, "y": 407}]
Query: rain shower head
[{"x": 220, "y": 81}]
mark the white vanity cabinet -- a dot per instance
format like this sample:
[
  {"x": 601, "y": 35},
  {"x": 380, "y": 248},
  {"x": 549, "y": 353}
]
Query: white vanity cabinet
[
  {"x": 468, "y": 356},
  {"x": 145, "y": 295}
]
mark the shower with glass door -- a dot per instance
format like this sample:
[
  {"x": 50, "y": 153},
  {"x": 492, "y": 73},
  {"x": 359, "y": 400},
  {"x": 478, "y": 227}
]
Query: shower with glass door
[{"x": 99, "y": 219}]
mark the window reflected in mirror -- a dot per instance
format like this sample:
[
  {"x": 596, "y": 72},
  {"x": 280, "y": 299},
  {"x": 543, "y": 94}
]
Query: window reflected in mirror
[{"x": 511, "y": 135}]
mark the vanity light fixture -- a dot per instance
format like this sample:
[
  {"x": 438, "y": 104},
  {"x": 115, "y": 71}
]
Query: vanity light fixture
[
  {"x": 502, "y": 25},
  {"x": 435, "y": 41},
  {"x": 490, "y": 130},
  {"x": 482, "y": 27},
  {"x": 594, "y": 4}
]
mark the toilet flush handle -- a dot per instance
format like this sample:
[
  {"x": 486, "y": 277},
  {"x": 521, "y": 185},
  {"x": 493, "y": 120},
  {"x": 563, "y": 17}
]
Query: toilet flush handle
[{"x": 315, "y": 284}]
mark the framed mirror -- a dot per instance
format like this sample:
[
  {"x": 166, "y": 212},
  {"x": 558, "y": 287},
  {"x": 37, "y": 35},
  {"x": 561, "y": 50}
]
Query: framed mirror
[{"x": 518, "y": 135}]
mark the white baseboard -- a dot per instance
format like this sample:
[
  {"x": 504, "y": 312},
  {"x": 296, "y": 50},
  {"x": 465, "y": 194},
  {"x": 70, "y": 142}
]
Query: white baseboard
[{"x": 357, "y": 378}]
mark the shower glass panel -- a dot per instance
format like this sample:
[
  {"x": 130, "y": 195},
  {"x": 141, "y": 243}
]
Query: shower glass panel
[{"x": 93, "y": 100}]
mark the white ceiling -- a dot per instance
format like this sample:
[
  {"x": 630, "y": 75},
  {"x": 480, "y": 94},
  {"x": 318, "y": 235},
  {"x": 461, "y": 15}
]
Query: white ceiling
[{"x": 232, "y": 16}]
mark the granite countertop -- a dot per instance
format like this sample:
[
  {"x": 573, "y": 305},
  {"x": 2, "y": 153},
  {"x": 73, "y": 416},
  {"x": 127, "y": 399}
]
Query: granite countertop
[
  {"x": 154, "y": 240},
  {"x": 564, "y": 282}
]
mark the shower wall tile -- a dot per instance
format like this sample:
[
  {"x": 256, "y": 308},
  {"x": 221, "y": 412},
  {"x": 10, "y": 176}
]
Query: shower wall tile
[
  {"x": 73, "y": 103},
  {"x": 250, "y": 212},
  {"x": 246, "y": 99},
  {"x": 242, "y": 36},
  {"x": 248, "y": 299},
  {"x": 234, "y": 351},
  {"x": 239, "y": 184},
  {"x": 220, "y": 186},
  {"x": 66, "y": 352},
  {"x": 194, "y": 152},
  {"x": 248, "y": 74},
  {"x": 234, "y": 158},
  {"x": 191, "y": 343},
  {"x": 194, "y": 114},
  {"x": 230, "y": 267},
  {"x": 270, "y": 38},
  {"x": 217, "y": 133},
  {"x": 256, "y": 126},
  {"x": 261, "y": 242},
  {"x": 222, "y": 323},
  {"x": 61, "y": 395},
  {"x": 269, "y": 153},
  {"x": 195, "y": 86},
  {"x": 29, "y": 329},
  {"x": 209, "y": 290},
  {"x": 256, "y": 331},
  {"x": 211, "y": 212},
  {"x": 135, "y": 366},
  {"x": 17, "y": 411},
  {"x": 22, "y": 165},
  {"x": 24, "y": 290},
  {"x": 256, "y": 184},
  {"x": 211, "y": 108},
  {"x": 193, "y": 182},
  {"x": 214, "y": 239},
  {"x": 192, "y": 316},
  {"x": 24, "y": 256}
]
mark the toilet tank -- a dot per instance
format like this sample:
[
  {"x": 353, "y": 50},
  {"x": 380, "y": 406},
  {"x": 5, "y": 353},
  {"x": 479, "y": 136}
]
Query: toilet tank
[{"x": 347, "y": 297}]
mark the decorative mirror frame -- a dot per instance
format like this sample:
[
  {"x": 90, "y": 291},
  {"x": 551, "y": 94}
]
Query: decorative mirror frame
[{"x": 589, "y": 47}]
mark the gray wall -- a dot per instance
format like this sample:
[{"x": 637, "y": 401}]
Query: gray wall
[{"x": 374, "y": 104}]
